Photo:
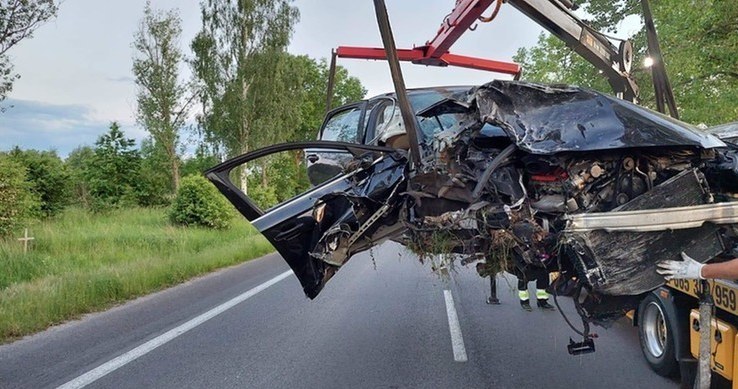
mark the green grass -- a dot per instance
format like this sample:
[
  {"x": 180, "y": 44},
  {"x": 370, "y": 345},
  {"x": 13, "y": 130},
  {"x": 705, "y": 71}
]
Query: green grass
[{"x": 81, "y": 262}]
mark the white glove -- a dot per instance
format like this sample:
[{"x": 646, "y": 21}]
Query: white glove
[{"x": 688, "y": 268}]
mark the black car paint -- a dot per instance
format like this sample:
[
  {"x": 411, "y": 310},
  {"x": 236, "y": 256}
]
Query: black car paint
[
  {"x": 539, "y": 119},
  {"x": 546, "y": 120},
  {"x": 290, "y": 226}
]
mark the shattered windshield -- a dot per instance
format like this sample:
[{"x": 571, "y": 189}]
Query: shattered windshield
[{"x": 432, "y": 125}]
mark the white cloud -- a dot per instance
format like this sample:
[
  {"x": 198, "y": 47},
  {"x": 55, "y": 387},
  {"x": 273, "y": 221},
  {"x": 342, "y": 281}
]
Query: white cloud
[
  {"x": 76, "y": 70},
  {"x": 61, "y": 127}
]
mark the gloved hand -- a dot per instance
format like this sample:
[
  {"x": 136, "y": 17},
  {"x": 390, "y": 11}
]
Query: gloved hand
[{"x": 687, "y": 268}]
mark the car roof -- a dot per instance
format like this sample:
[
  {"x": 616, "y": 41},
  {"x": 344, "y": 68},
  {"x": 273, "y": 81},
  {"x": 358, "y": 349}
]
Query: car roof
[{"x": 444, "y": 90}]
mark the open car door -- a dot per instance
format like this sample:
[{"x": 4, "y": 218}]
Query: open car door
[{"x": 299, "y": 225}]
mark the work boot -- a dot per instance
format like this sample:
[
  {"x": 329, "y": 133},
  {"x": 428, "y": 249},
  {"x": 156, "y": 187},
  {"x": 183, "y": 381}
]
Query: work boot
[
  {"x": 543, "y": 304},
  {"x": 525, "y": 304}
]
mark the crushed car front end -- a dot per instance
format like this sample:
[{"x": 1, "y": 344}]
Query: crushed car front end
[{"x": 521, "y": 174}]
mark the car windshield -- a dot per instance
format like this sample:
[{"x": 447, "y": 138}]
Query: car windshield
[{"x": 422, "y": 99}]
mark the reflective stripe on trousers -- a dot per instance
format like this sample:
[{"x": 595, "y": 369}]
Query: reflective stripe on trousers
[
  {"x": 541, "y": 294},
  {"x": 523, "y": 295}
]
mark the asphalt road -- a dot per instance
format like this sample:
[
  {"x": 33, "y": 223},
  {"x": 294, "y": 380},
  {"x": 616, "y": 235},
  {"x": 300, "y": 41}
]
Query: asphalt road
[{"x": 380, "y": 323}]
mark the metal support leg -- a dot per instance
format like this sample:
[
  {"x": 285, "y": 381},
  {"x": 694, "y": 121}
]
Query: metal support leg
[
  {"x": 492, "y": 299},
  {"x": 704, "y": 373},
  {"x": 331, "y": 82},
  {"x": 408, "y": 115}
]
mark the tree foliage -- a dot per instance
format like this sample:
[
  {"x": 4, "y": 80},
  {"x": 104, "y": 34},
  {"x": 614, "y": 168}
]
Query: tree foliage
[
  {"x": 114, "y": 172},
  {"x": 203, "y": 159},
  {"x": 277, "y": 178},
  {"x": 198, "y": 203},
  {"x": 48, "y": 178},
  {"x": 78, "y": 162},
  {"x": 242, "y": 71},
  {"x": 698, "y": 40},
  {"x": 18, "y": 20},
  {"x": 314, "y": 80},
  {"x": 154, "y": 184},
  {"x": 551, "y": 61},
  {"x": 163, "y": 104},
  {"x": 17, "y": 201}
]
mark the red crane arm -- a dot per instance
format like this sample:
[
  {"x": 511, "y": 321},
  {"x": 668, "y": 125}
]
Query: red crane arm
[
  {"x": 435, "y": 52},
  {"x": 465, "y": 13},
  {"x": 418, "y": 56}
]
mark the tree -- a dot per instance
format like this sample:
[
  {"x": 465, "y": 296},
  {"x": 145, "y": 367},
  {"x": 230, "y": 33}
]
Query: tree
[
  {"x": 154, "y": 183},
  {"x": 551, "y": 61},
  {"x": 698, "y": 45},
  {"x": 314, "y": 83},
  {"x": 244, "y": 73},
  {"x": 115, "y": 169},
  {"x": 47, "y": 177},
  {"x": 18, "y": 20},
  {"x": 278, "y": 178},
  {"x": 203, "y": 159},
  {"x": 78, "y": 162},
  {"x": 162, "y": 102}
]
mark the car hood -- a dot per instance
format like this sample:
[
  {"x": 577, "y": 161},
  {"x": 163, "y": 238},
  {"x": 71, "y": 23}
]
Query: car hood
[{"x": 544, "y": 119}]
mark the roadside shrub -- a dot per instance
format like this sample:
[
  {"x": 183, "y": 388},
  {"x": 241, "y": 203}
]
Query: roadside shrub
[
  {"x": 198, "y": 203},
  {"x": 48, "y": 178},
  {"x": 17, "y": 201}
]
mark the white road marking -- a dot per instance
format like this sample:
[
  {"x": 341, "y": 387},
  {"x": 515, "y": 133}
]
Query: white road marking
[
  {"x": 120, "y": 361},
  {"x": 457, "y": 341}
]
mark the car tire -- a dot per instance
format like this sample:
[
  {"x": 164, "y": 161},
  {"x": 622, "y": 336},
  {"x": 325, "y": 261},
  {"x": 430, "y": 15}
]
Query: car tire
[{"x": 657, "y": 337}]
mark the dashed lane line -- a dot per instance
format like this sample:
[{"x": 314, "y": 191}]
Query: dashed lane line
[{"x": 457, "y": 341}]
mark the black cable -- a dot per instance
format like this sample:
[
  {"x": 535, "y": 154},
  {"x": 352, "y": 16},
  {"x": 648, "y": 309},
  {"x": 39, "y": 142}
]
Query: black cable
[{"x": 566, "y": 319}]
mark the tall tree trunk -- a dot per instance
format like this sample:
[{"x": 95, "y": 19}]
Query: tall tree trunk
[
  {"x": 175, "y": 173},
  {"x": 264, "y": 179},
  {"x": 245, "y": 133},
  {"x": 244, "y": 173}
]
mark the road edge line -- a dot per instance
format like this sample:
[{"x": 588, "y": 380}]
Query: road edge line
[{"x": 130, "y": 356}]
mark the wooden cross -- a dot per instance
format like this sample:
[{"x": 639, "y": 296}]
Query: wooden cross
[{"x": 25, "y": 240}]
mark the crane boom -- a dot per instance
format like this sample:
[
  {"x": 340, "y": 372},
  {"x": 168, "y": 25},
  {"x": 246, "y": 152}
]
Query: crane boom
[{"x": 614, "y": 62}]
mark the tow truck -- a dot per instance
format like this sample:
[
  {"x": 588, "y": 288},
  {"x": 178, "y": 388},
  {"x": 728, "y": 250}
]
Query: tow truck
[
  {"x": 319, "y": 230},
  {"x": 667, "y": 319}
]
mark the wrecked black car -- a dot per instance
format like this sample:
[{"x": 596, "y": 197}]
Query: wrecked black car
[{"x": 511, "y": 174}]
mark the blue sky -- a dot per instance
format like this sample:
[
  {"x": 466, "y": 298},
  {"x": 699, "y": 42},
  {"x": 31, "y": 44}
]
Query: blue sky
[
  {"x": 76, "y": 70},
  {"x": 33, "y": 124}
]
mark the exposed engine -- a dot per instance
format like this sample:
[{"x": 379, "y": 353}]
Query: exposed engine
[
  {"x": 513, "y": 175},
  {"x": 486, "y": 198}
]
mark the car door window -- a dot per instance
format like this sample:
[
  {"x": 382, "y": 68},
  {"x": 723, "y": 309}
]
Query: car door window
[
  {"x": 343, "y": 126},
  {"x": 380, "y": 112}
]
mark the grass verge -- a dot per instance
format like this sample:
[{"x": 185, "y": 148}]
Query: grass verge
[{"x": 80, "y": 263}]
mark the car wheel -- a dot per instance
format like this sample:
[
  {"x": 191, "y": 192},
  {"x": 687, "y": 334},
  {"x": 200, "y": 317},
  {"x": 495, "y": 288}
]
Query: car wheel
[{"x": 656, "y": 336}]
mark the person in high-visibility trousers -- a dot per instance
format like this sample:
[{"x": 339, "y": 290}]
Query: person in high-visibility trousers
[{"x": 540, "y": 276}]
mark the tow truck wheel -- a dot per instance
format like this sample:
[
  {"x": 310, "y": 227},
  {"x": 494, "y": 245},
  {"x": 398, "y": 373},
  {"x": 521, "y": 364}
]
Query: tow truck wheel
[{"x": 657, "y": 339}]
